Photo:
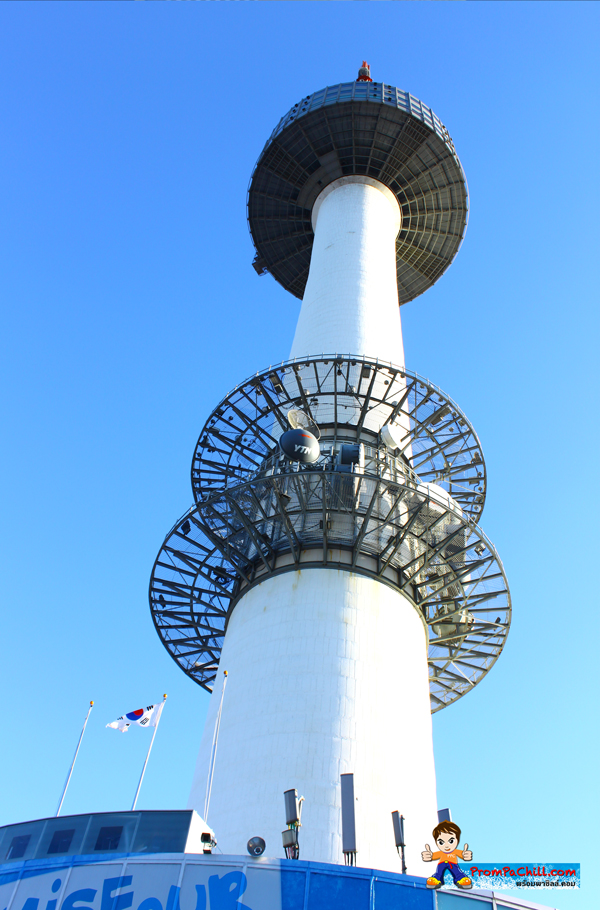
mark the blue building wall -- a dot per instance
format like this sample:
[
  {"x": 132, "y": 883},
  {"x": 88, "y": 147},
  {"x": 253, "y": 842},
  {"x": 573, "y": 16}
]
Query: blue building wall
[{"x": 180, "y": 881}]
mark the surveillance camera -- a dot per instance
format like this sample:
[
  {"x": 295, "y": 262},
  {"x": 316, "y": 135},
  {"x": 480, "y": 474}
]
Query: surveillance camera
[
  {"x": 208, "y": 841},
  {"x": 256, "y": 846}
]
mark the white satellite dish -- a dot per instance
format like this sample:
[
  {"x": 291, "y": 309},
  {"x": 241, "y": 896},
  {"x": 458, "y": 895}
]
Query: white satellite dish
[
  {"x": 393, "y": 436},
  {"x": 299, "y": 420},
  {"x": 440, "y": 500}
]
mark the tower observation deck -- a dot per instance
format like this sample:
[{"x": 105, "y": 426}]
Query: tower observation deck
[
  {"x": 348, "y": 590},
  {"x": 365, "y": 129}
]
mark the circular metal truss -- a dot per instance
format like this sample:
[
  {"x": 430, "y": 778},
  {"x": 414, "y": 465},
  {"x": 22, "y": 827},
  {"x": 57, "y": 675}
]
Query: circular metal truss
[
  {"x": 350, "y": 399},
  {"x": 399, "y": 532},
  {"x": 359, "y": 128}
]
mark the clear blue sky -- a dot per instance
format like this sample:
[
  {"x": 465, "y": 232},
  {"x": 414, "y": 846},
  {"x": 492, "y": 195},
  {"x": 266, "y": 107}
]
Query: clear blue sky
[{"x": 129, "y": 307}]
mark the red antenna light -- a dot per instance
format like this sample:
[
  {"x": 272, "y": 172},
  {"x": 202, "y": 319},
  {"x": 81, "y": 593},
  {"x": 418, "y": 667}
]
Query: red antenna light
[{"x": 364, "y": 73}]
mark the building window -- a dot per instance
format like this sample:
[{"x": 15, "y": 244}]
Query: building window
[
  {"x": 61, "y": 841},
  {"x": 18, "y": 846},
  {"x": 108, "y": 838}
]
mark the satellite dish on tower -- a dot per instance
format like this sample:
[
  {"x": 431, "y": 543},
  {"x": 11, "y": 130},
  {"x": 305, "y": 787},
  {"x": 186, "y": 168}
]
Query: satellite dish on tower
[
  {"x": 299, "y": 420},
  {"x": 392, "y": 436},
  {"x": 300, "y": 445}
]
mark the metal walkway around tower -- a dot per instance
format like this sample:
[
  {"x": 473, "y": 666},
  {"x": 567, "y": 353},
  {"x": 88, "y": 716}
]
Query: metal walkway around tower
[
  {"x": 406, "y": 518},
  {"x": 349, "y": 398}
]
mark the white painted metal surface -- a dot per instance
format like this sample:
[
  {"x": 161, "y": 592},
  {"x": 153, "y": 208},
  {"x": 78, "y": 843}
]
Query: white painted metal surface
[
  {"x": 350, "y": 304},
  {"x": 327, "y": 674}
]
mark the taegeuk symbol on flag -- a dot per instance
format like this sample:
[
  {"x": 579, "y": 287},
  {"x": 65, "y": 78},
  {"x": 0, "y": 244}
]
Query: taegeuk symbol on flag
[{"x": 143, "y": 717}]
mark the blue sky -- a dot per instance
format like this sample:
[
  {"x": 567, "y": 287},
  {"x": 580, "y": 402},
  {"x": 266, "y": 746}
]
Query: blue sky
[{"x": 129, "y": 307}]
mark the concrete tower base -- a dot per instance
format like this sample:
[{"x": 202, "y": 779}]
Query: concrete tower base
[{"x": 327, "y": 675}]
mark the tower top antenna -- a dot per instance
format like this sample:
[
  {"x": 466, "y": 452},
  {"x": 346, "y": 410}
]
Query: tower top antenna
[{"x": 364, "y": 73}]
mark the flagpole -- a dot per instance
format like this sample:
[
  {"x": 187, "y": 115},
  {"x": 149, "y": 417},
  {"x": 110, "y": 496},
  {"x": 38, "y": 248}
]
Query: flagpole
[
  {"x": 137, "y": 792},
  {"x": 213, "y": 753},
  {"x": 64, "y": 793}
]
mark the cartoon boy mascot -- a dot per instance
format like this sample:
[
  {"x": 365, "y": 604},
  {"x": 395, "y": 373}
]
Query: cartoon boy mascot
[{"x": 447, "y": 837}]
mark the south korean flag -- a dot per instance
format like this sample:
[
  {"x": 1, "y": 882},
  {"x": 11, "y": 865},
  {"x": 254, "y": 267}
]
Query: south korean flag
[{"x": 143, "y": 717}]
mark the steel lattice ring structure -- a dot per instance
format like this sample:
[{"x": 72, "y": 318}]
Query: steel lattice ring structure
[
  {"x": 395, "y": 532},
  {"x": 359, "y": 128},
  {"x": 349, "y": 398}
]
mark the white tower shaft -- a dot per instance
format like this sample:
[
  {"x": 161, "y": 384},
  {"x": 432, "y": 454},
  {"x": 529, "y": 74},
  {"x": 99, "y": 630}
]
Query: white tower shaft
[
  {"x": 350, "y": 303},
  {"x": 328, "y": 668}
]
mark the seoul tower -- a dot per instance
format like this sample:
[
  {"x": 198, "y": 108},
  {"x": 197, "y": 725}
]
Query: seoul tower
[{"x": 333, "y": 564}]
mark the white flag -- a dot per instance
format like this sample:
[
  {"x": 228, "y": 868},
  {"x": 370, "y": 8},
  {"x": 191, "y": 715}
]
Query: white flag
[{"x": 143, "y": 717}]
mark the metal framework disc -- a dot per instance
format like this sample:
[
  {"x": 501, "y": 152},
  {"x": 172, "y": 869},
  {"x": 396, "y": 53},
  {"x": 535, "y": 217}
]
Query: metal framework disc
[
  {"x": 396, "y": 533},
  {"x": 349, "y": 398}
]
